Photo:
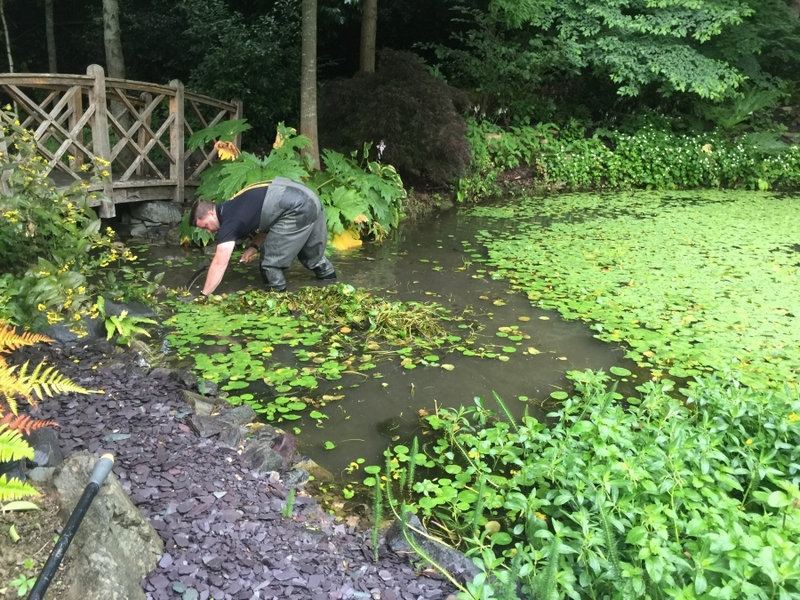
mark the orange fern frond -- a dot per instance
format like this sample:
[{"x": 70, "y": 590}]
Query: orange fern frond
[
  {"x": 10, "y": 340},
  {"x": 25, "y": 423}
]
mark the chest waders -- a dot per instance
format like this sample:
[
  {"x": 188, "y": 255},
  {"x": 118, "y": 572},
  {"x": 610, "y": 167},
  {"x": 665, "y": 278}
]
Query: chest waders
[{"x": 295, "y": 224}]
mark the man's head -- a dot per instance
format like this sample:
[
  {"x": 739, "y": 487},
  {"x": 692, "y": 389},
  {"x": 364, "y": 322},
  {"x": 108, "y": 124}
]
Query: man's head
[{"x": 204, "y": 216}]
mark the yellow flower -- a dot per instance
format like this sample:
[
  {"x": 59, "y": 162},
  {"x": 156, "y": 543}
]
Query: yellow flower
[
  {"x": 41, "y": 307},
  {"x": 749, "y": 442},
  {"x": 793, "y": 417}
]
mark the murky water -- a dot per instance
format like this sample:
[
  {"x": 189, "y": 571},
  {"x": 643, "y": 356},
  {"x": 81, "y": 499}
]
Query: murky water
[{"x": 429, "y": 261}]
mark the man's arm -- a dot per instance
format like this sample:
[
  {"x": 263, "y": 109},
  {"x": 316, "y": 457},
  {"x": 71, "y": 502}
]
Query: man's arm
[{"x": 218, "y": 266}]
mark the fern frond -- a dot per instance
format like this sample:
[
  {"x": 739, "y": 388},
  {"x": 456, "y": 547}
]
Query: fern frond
[
  {"x": 14, "y": 489},
  {"x": 8, "y": 404},
  {"x": 11, "y": 387},
  {"x": 47, "y": 381},
  {"x": 25, "y": 423},
  {"x": 10, "y": 340},
  {"x": 13, "y": 446}
]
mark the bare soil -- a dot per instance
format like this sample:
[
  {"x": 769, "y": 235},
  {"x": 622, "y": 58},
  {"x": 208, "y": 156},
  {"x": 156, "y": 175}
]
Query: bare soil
[{"x": 37, "y": 531}]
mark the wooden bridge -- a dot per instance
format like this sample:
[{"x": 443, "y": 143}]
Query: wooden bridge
[{"x": 139, "y": 129}]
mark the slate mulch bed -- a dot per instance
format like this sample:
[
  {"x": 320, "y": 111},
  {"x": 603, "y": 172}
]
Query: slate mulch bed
[{"x": 221, "y": 523}]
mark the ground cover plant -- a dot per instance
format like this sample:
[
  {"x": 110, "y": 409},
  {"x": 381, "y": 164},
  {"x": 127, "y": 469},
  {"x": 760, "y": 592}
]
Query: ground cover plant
[
  {"x": 653, "y": 497},
  {"x": 690, "y": 282},
  {"x": 291, "y": 342}
]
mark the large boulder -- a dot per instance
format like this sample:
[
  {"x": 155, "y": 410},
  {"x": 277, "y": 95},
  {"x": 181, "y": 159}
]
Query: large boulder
[
  {"x": 115, "y": 547},
  {"x": 157, "y": 212}
]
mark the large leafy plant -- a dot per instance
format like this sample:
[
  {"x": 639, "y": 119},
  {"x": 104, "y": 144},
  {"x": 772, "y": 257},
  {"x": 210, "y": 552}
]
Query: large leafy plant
[{"x": 366, "y": 196}]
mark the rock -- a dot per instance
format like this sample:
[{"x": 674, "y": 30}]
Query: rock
[
  {"x": 231, "y": 436},
  {"x": 156, "y": 212},
  {"x": 46, "y": 451},
  {"x": 319, "y": 473},
  {"x": 295, "y": 477},
  {"x": 205, "y": 426},
  {"x": 115, "y": 547},
  {"x": 200, "y": 404},
  {"x": 458, "y": 565},
  {"x": 239, "y": 415},
  {"x": 173, "y": 237},
  {"x": 134, "y": 309},
  {"x": 41, "y": 474},
  {"x": 261, "y": 457},
  {"x": 187, "y": 378},
  {"x": 94, "y": 328}
]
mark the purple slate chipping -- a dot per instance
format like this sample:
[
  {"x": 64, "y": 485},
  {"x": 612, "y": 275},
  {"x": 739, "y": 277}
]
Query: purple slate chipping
[{"x": 221, "y": 520}]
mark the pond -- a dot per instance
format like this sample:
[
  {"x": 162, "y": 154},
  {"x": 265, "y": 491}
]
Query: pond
[{"x": 435, "y": 260}]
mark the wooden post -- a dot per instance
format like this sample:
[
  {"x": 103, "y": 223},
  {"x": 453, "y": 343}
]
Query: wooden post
[
  {"x": 142, "y": 134},
  {"x": 176, "y": 143},
  {"x": 76, "y": 104},
  {"x": 101, "y": 145}
]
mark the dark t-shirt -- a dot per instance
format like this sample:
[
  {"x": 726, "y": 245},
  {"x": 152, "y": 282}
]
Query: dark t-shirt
[{"x": 240, "y": 216}]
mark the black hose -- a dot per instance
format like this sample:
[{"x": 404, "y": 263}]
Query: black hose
[
  {"x": 193, "y": 279},
  {"x": 99, "y": 474}
]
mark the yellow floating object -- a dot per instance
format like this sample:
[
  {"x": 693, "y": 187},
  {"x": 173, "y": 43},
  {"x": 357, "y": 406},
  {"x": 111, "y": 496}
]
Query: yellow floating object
[{"x": 346, "y": 240}]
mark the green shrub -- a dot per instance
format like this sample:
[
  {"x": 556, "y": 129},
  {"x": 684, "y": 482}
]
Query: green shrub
[
  {"x": 650, "y": 158},
  {"x": 415, "y": 117},
  {"x": 654, "y": 497},
  {"x": 51, "y": 241}
]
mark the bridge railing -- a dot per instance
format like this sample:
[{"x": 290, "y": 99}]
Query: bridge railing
[{"x": 138, "y": 129}]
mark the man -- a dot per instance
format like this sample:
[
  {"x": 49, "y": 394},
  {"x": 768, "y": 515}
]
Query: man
[{"x": 288, "y": 221}]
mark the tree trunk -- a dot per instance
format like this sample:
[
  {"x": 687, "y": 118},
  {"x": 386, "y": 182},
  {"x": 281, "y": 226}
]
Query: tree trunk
[
  {"x": 5, "y": 33},
  {"x": 308, "y": 79},
  {"x": 112, "y": 36},
  {"x": 51, "y": 36},
  {"x": 369, "y": 29}
]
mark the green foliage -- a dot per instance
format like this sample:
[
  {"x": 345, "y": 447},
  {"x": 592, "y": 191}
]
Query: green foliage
[
  {"x": 413, "y": 119},
  {"x": 363, "y": 194},
  {"x": 288, "y": 507},
  {"x": 193, "y": 235},
  {"x": 366, "y": 196},
  {"x": 648, "y": 499},
  {"x": 125, "y": 327},
  {"x": 649, "y": 158},
  {"x": 50, "y": 240},
  {"x": 253, "y": 58},
  {"x": 224, "y": 131},
  {"x": 638, "y": 43},
  {"x": 23, "y": 583}
]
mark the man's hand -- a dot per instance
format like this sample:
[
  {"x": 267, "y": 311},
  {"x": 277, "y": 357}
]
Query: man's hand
[{"x": 248, "y": 254}]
